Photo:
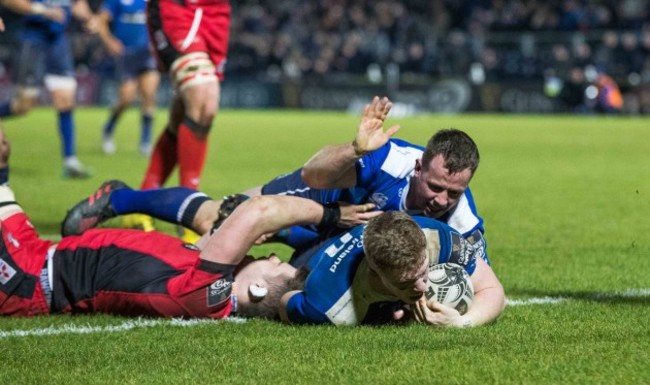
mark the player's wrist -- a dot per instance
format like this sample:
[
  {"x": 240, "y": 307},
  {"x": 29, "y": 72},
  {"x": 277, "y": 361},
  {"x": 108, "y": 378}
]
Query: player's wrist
[
  {"x": 465, "y": 322},
  {"x": 331, "y": 216},
  {"x": 38, "y": 9},
  {"x": 358, "y": 151}
]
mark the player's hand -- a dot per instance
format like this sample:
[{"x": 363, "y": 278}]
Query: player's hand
[
  {"x": 353, "y": 215},
  {"x": 114, "y": 47},
  {"x": 2, "y": 25},
  {"x": 56, "y": 14},
  {"x": 92, "y": 25},
  {"x": 371, "y": 134},
  {"x": 264, "y": 238},
  {"x": 436, "y": 314}
]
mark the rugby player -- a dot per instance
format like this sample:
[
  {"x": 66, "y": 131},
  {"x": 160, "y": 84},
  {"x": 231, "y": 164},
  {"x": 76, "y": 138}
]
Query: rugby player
[
  {"x": 46, "y": 56},
  {"x": 122, "y": 28}
]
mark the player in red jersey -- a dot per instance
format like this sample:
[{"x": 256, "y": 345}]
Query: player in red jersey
[
  {"x": 136, "y": 273},
  {"x": 191, "y": 41}
]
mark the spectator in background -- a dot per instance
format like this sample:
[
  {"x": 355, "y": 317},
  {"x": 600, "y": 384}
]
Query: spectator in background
[
  {"x": 45, "y": 56},
  {"x": 123, "y": 31}
]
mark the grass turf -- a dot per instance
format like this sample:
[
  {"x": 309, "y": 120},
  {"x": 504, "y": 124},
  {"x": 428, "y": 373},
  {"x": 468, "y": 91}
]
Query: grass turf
[{"x": 565, "y": 201}]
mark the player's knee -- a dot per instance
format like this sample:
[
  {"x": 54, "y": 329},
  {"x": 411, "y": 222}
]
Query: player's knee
[
  {"x": 55, "y": 83},
  {"x": 193, "y": 69},
  {"x": 200, "y": 129}
]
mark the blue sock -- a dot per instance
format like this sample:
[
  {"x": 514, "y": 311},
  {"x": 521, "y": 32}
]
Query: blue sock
[
  {"x": 66, "y": 129},
  {"x": 4, "y": 175},
  {"x": 145, "y": 136},
  {"x": 174, "y": 205},
  {"x": 109, "y": 127},
  {"x": 5, "y": 110}
]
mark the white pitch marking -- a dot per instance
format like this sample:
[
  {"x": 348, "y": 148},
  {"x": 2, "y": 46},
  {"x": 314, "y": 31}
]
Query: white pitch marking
[
  {"x": 629, "y": 293},
  {"x": 128, "y": 325}
]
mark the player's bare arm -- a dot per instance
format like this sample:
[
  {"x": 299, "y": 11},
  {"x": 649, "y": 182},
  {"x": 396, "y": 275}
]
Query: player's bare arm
[
  {"x": 102, "y": 22},
  {"x": 488, "y": 304},
  {"x": 26, "y": 7},
  {"x": 254, "y": 218},
  {"x": 333, "y": 166}
]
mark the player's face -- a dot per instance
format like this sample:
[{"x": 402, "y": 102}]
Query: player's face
[
  {"x": 434, "y": 190},
  {"x": 408, "y": 287},
  {"x": 259, "y": 272}
]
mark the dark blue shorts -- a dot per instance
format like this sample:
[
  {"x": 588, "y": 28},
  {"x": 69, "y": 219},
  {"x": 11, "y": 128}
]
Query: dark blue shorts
[
  {"x": 134, "y": 63},
  {"x": 38, "y": 57}
]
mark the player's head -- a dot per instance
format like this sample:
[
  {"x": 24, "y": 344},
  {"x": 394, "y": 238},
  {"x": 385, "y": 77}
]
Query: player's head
[
  {"x": 395, "y": 246},
  {"x": 443, "y": 173},
  {"x": 260, "y": 283}
]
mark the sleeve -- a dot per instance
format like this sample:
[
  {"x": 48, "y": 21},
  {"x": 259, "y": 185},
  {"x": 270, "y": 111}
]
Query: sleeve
[
  {"x": 110, "y": 6},
  {"x": 463, "y": 253},
  {"x": 205, "y": 290},
  {"x": 368, "y": 166},
  {"x": 300, "y": 311}
]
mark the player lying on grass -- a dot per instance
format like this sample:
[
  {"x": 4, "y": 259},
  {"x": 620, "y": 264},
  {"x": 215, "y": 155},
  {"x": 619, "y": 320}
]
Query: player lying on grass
[
  {"x": 390, "y": 173},
  {"x": 136, "y": 273},
  {"x": 363, "y": 275}
]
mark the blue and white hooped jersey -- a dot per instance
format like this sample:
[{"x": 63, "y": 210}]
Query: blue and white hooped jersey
[
  {"x": 41, "y": 28},
  {"x": 336, "y": 290},
  {"x": 129, "y": 24},
  {"x": 384, "y": 175}
]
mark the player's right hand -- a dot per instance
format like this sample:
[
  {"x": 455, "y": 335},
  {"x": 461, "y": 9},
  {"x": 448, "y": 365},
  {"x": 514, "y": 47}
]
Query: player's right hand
[
  {"x": 114, "y": 47},
  {"x": 371, "y": 135},
  {"x": 56, "y": 14}
]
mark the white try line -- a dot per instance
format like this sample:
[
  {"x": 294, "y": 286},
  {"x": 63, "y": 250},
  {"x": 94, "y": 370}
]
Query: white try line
[
  {"x": 629, "y": 293},
  {"x": 127, "y": 325},
  {"x": 141, "y": 323}
]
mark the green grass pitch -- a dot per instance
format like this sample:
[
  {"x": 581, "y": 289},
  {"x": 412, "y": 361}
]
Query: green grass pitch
[{"x": 566, "y": 203}]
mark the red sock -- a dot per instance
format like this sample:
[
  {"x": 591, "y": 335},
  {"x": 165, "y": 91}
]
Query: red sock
[
  {"x": 162, "y": 161},
  {"x": 192, "y": 151}
]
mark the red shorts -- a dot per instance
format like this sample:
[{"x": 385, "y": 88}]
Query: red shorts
[
  {"x": 22, "y": 260},
  {"x": 178, "y": 29}
]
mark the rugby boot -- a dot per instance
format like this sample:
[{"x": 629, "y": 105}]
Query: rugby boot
[{"x": 91, "y": 211}]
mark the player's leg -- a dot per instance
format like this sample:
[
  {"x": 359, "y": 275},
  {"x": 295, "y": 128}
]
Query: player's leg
[
  {"x": 126, "y": 96},
  {"x": 62, "y": 86},
  {"x": 148, "y": 85},
  {"x": 164, "y": 155},
  {"x": 175, "y": 205},
  {"x": 5, "y": 153},
  {"x": 31, "y": 65}
]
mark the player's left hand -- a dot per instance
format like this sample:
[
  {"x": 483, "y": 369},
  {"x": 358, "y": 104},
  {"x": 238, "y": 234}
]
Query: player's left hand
[
  {"x": 353, "y": 215},
  {"x": 436, "y": 314}
]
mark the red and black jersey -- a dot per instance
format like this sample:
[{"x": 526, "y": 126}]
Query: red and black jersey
[{"x": 115, "y": 271}]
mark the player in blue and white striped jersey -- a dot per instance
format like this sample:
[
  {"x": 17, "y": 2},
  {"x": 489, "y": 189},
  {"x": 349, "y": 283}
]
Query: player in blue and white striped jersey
[
  {"x": 365, "y": 274},
  {"x": 393, "y": 175}
]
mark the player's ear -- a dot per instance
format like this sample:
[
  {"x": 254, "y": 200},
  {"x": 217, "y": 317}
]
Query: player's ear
[
  {"x": 257, "y": 292},
  {"x": 418, "y": 166}
]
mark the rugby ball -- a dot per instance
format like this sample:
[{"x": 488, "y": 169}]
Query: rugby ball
[{"x": 450, "y": 284}]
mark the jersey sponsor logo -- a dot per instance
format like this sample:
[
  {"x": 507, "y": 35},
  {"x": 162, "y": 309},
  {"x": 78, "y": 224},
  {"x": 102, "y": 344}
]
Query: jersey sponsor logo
[
  {"x": 219, "y": 291},
  {"x": 191, "y": 246},
  {"x": 379, "y": 199},
  {"x": 6, "y": 272},
  {"x": 478, "y": 243},
  {"x": 339, "y": 252},
  {"x": 461, "y": 250}
]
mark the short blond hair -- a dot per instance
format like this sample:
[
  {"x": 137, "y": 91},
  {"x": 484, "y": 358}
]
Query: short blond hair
[{"x": 393, "y": 241}]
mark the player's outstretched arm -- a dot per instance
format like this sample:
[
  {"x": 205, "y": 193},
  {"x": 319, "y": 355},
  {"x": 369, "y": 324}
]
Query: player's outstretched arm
[
  {"x": 26, "y": 7},
  {"x": 333, "y": 166},
  {"x": 256, "y": 217}
]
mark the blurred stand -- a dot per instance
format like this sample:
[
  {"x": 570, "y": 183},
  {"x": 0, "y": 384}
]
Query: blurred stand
[{"x": 433, "y": 56}]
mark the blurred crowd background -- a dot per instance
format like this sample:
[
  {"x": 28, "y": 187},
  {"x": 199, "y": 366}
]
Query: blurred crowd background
[{"x": 536, "y": 50}]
